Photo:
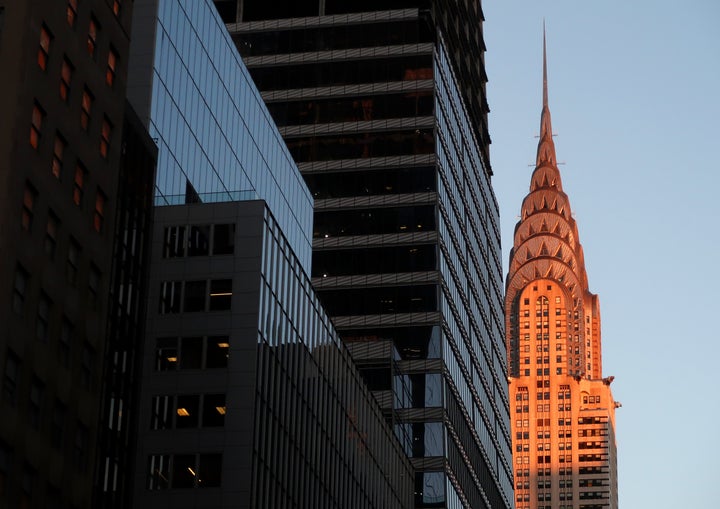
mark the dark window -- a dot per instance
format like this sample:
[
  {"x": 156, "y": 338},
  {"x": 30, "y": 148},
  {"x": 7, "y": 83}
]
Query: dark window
[
  {"x": 191, "y": 350},
  {"x": 227, "y": 10},
  {"x": 213, "y": 410},
  {"x": 20, "y": 289},
  {"x": 220, "y": 294},
  {"x": 374, "y": 221},
  {"x": 94, "y": 285},
  {"x": 195, "y": 293},
  {"x": 88, "y": 365},
  {"x": 57, "y": 425},
  {"x": 374, "y": 260},
  {"x": 158, "y": 472},
  {"x": 72, "y": 12},
  {"x": 28, "y": 206},
  {"x": 80, "y": 448},
  {"x": 174, "y": 243},
  {"x": 223, "y": 239},
  {"x": 216, "y": 353},
  {"x": 11, "y": 377},
  {"x": 166, "y": 354},
  {"x": 43, "y": 317},
  {"x": 116, "y": 7},
  {"x": 65, "y": 342},
  {"x": 162, "y": 407},
  {"x": 170, "y": 297},
  {"x": 51, "y": 233},
  {"x": 362, "y": 183},
  {"x": 209, "y": 470},
  {"x": 254, "y": 11},
  {"x": 199, "y": 240},
  {"x": 35, "y": 406},
  {"x": 184, "y": 471},
  {"x": 73, "y": 260},
  {"x": 383, "y": 300}
]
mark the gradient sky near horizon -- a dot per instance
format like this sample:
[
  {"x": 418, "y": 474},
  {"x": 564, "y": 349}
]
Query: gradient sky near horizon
[{"x": 634, "y": 93}]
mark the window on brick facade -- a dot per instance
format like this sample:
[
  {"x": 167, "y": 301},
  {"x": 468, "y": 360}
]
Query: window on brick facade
[
  {"x": 38, "y": 114},
  {"x": 85, "y": 109},
  {"x": 72, "y": 12},
  {"x": 92, "y": 36},
  {"x": 51, "y": 233},
  {"x": 44, "y": 49},
  {"x": 28, "y": 206},
  {"x": 99, "y": 214},
  {"x": 111, "y": 67},
  {"x": 79, "y": 183},
  {"x": 57, "y": 160},
  {"x": 105, "y": 134},
  {"x": 73, "y": 259},
  {"x": 66, "y": 73},
  {"x": 42, "y": 321}
]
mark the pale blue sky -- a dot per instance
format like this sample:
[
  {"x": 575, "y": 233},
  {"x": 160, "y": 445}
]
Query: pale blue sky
[{"x": 634, "y": 90}]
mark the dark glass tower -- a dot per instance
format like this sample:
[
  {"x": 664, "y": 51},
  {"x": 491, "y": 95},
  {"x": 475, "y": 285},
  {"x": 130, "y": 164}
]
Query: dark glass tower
[{"x": 382, "y": 105}]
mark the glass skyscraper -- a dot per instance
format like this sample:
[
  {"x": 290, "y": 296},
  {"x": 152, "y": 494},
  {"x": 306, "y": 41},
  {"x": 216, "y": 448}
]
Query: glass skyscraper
[
  {"x": 249, "y": 398},
  {"x": 382, "y": 105}
]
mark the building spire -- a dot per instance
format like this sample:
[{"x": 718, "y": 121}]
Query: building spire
[
  {"x": 545, "y": 92},
  {"x": 546, "y": 147}
]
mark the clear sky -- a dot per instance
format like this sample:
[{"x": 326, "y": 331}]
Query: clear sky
[{"x": 634, "y": 92}]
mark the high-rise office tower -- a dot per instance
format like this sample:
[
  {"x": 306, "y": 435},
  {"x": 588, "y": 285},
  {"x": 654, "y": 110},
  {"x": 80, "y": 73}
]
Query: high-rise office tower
[
  {"x": 563, "y": 418},
  {"x": 249, "y": 398},
  {"x": 382, "y": 105},
  {"x": 66, "y": 151}
]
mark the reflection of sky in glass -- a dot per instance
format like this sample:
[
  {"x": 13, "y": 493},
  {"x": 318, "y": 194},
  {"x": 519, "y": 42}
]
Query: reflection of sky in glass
[{"x": 212, "y": 127}]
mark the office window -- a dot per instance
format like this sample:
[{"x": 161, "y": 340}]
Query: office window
[
  {"x": 199, "y": 240},
  {"x": 161, "y": 414},
  {"x": 111, "y": 67},
  {"x": 174, "y": 242},
  {"x": 99, "y": 214},
  {"x": 92, "y": 36},
  {"x": 65, "y": 78},
  {"x": 105, "y": 135},
  {"x": 116, "y": 7},
  {"x": 43, "y": 317},
  {"x": 11, "y": 377},
  {"x": 191, "y": 352},
  {"x": 85, "y": 108},
  {"x": 213, "y": 414},
  {"x": 79, "y": 183},
  {"x": 223, "y": 239},
  {"x": 158, "y": 472},
  {"x": 170, "y": 292},
  {"x": 38, "y": 114},
  {"x": 220, "y": 294},
  {"x": 217, "y": 352},
  {"x": 51, "y": 232},
  {"x": 44, "y": 49},
  {"x": 187, "y": 411},
  {"x": 72, "y": 12},
  {"x": 195, "y": 293},
  {"x": 57, "y": 160},
  {"x": 166, "y": 354}
]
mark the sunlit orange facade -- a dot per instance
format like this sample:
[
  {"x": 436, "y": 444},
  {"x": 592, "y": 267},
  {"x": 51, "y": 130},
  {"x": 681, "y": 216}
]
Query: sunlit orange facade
[{"x": 562, "y": 410}]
